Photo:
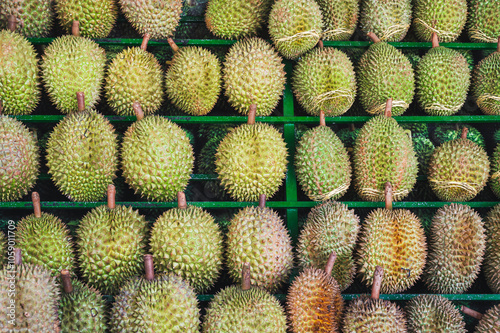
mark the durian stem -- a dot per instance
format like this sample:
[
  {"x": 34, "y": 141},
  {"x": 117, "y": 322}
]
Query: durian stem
[
  {"x": 138, "y": 110},
  {"x": 12, "y": 23},
  {"x": 330, "y": 263},
  {"x": 80, "y": 99},
  {"x": 352, "y": 128},
  {"x": 373, "y": 37},
  {"x": 111, "y": 196},
  {"x": 35, "y": 198},
  {"x": 435, "y": 40},
  {"x": 320, "y": 44},
  {"x": 149, "y": 267},
  {"x": 181, "y": 200},
  {"x": 172, "y": 44},
  {"x": 66, "y": 281},
  {"x": 388, "y": 196},
  {"x": 498, "y": 44},
  {"x": 145, "y": 40},
  {"x": 246, "y": 282},
  {"x": 1, "y": 107},
  {"x": 377, "y": 282},
  {"x": 472, "y": 313},
  {"x": 262, "y": 201},
  {"x": 464, "y": 132},
  {"x": 252, "y": 112},
  {"x": 322, "y": 121},
  {"x": 388, "y": 108},
  {"x": 18, "y": 256},
  {"x": 75, "y": 28}
]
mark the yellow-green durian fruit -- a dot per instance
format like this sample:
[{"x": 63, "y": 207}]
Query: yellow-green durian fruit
[
  {"x": 388, "y": 19},
  {"x": 490, "y": 321},
  {"x": 486, "y": 83},
  {"x": 492, "y": 256},
  {"x": 433, "y": 314},
  {"x": 446, "y": 18},
  {"x": 34, "y": 18},
  {"x": 340, "y": 18},
  {"x": 484, "y": 22}
]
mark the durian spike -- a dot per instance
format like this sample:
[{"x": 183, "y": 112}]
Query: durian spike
[
  {"x": 80, "y": 98},
  {"x": 111, "y": 196},
  {"x": 262, "y": 201},
  {"x": 435, "y": 40},
  {"x": 322, "y": 121},
  {"x": 330, "y": 263},
  {"x": 138, "y": 110},
  {"x": 388, "y": 108},
  {"x": 465, "y": 130},
  {"x": 35, "y": 198},
  {"x": 181, "y": 200},
  {"x": 377, "y": 282},
  {"x": 18, "y": 256},
  {"x": 251, "y": 114},
  {"x": 388, "y": 196},
  {"x": 145, "y": 40},
  {"x": 320, "y": 44},
  {"x": 66, "y": 281},
  {"x": 149, "y": 267},
  {"x": 75, "y": 28},
  {"x": 472, "y": 313},
  {"x": 246, "y": 282},
  {"x": 12, "y": 23},
  {"x": 172, "y": 44},
  {"x": 373, "y": 37}
]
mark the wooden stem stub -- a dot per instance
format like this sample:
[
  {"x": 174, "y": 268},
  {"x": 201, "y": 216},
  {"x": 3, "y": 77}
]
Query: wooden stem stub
[
  {"x": 66, "y": 281},
  {"x": 377, "y": 282},
  {"x": 111, "y": 196},
  {"x": 373, "y": 37},
  {"x": 472, "y": 313},
  {"x": 172, "y": 44},
  {"x": 35, "y": 198},
  {"x": 149, "y": 267},
  {"x": 322, "y": 121},
  {"x": 465, "y": 130},
  {"x": 388, "y": 108},
  {"x": 252, "y": 112},
  {"x": 320, "y": 44},
  {"x": 435, "y": 40},
  {"x": 246, "y": 282},
  {"x": 75, "y": 28},
  {"x": 262, "y": 201},
  {"x": 80, "y": 99},
  {"x": 12, "y": 23},
  {"x": 145, "y": 40},
  {"x": 388, "y": 196},
  {"x": 181, "y": 200},
  {"x": 330, "y": 263},
  {"x": 138, "y": 110},
  {"x": 18, "y": 256}
]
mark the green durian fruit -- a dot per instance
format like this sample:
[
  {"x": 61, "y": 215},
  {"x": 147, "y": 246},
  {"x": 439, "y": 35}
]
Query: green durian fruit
[
  {"x": 330, "y": 226},
  {"x": 33, "y": 18},
  {"x": 388, "y": 19},
  {"x": 469, "y": 57},
  {"x": 134, "y": 75},
  {"x": 322, "y": 165},
  {"x": 489, "y": 322},
  {"x": 413, "y": 56},
  {"x": 433, "y": 314},
  {"x": 96, "y": 17},
  {"x": 348, "y": 136},
  {"x": 19, "y": 159},
  {"x": 340, "y": 18},
  {"x": 82, "y": 155},
  {"x": 484, "y": 23},
  {"x": 424, "y": 148},
  {"x": 253, "y": 74},
  {"x": 19, "y": 80},
  {"x": 324, "y": 80},
  {"x": 157, "y": 18},
  {"x": 458, "y": 170},
  {"x": 157, "y": 158},
  {"x": 3, "y": 248},
  {"x": 448, "y": 132},
  {"x": 492, "y": 254},
  {"x": 486, "y": 84},
  {"x": 446, "y": 18},
  {"x": 456, "y": 249},
  {"x": 384, "y": 72},
  {"x": 36, "y": 299},
  {"x": 495, "y": 171},
  {"x": 417, "y": 129},
  {"x": 295, "y": 26},
  {"x": 193, "y": 80}
]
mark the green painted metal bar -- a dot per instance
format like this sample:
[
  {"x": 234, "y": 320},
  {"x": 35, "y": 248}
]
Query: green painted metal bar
[{"x": 45, "y": 176}]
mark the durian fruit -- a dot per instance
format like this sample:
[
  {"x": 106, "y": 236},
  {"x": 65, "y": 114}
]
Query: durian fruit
[
  {"x": 295, "y": 26},
  {"x": 193, "y": 80},
  {"x": 72, "y": 64},
  {"x": 495, "y": 171},
  {"x": 395, "y": 241},
  {"x": 383, "y": 153},
  {"x": 95, "y": 17},
  {"x": 82, "y": 308},
  {"x": 489, "y": 322},
  {"x": 31, "y": 18},
  {"x": 492, "y": 254},
  {"x": 244, "y": 309},
  {"x": 446, "y": 18},
  {"x": 348, "y": 136},
  {"x": 340, "y": 18},
  {"x": 389, "y": 20},
  {"x": 485, "y": 83},
  {"x": 163, "y": 303},
  {"x": 157, "y": 158},
  {"x": 370, "y": 314},
  {"x": 449, "y": 132},
  {"x": 19, "y": 80},
  {"x": 19, "y": 159},
  {"x": 443, "y": 79},
  {"x": 324, "y": 80},
  {"x": 258, "y": 236},
  {"x": 158, "y": 18},
  {"x": 45, "y": 240},
  {"x": 3, "y": 248},
  {"x": 251, "y": 160},
  {"x": 111, "y": 243},
  {"x": 314, "y": 303},
  {"x": 458, "y": 169},
  {"x": 484, "y": 23},
  {"x": 186, "y": 241},
  {"x": 424, "y": 149},
  {"x": 433, "y": 314},
  {"x": 134, "y": 75},
  {"x": 456, "y": 249},
  {"x": 384, "y": 72},
  {"x": 253, "y": 74},
  {"x": 82, "y": 154}
]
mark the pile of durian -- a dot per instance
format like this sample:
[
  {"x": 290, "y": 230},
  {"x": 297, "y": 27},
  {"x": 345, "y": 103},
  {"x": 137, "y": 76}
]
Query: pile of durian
[{"x": 116, "y": 269}]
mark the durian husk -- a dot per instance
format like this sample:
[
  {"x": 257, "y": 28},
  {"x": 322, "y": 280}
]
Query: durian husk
[
  {"x": 490, "y": 322},
  {"x": 389, "y": 20},
  {"x": 34, "y": 18},
  {"x": 485, "y": 84},
  {"x": 492, "y": 255}
]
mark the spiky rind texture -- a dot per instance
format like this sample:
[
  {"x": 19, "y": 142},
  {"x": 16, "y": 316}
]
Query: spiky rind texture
[
  {"x": 295, "y": 26},
  {"x": 34, "y": 18},
  {"x": 433, "y": 314},
  {"x": 193, "y": 80},
  {"x": 82, "y": 155},
  {"x": 489, "y": 322},
  {"x": 258, "y": 236},
  {"x": 492, "y": 254},
  {"x": 449, "y": 132},
  {"x": 495, "y": 171},
  {"x": 443, "y": 79},
  {"x": 456, "y": 249},
  {"x": 314, "y": 302},
  {"x": 19, "y": 80},
  {"x": 330, "y": 226},
  {"x": 383, "y": 152},
  {"x": 366, "y": 315},
  {"x": 83, "y": 310},
  {"x": 389, "y": 20},
  {"x": 20, "y": 159},
  {"x": 3, "y": 248},
  {"x": 484, "y": 22},
  {"x": 70, "y": 65},
  {"x": 458, "y": 170},
  {"x": 447, "y": 18},
  {"x": 157, "y": 158},
  {"x": 188, "y": 242},
  {"x": 36, "y": 297},
  {"x": 134, "y": 76},
  {"x": 251, "y": 160},
  {"x": 96, "y": 17},
  {"x": 111, "y": 245},
  {"x": 486, "y": 84},
  {"x": 159, "y": 18},
  {"x": 340, "y": 18},
  {"x": 244, "y": 311},
  {"x": 384, "y": 72},
  {"x": 253, "y": 74},
  {"x": 165, "y": 304},
  {"x": 324, "y": 80},
  {"x": 424, "y": 149}
]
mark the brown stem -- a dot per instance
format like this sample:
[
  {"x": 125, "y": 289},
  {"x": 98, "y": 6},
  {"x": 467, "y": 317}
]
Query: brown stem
[
  {"x": 330, "y": 263},
  {"x": 35, "y": 198},
  {"x": 75, "y": 28},
  {"x": 262, "y": 201},
  {"x": 388, "y": 108},
  {"x": 352, "y": 128},
  {"x": 246, "y": 281},
  {"x": 66, "y": 281},
  {"x": 1, "y": 107},
  {"x": 498, "y": 44},
  {"x": 181, "y": 200},
  {"x": 377, "y": 282},
  {"x": 252, "y": 112},
  {"x": 12, "y": 23},
  {"x": 435, "y": 40},
  {"x": 138, "y": 110},
  {"x": 145, "y": 40},
  {"x": 80, "y": 99},
  {"x": 388, "y": 196},
  {"x": 472, "y": 313},
  {"x": 149, "y": 267},
  {"x": 373, "y": 37},
  {"x": 322, "y": 121},
  {"x": 464, "y": 132},
  {"x": 111, "y": 196},
  {"x": 320, "y": 44},
  {"x": 18, "y": 256},
  {"x": 172, "y": 44}
]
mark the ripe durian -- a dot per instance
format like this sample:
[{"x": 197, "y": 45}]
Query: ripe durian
[
  {"x": 484, "y": 21},
  {"x": 443, "y": 79},
  {"x": 486, "y": 83},
  {"x": 492, "y": 254},
  {"x": 295, "y": 26},
  {"x": 324, "y": 80},
  {"x": 489, "y": 322},
  {"x": 456, "y": 249},
  {"x": 340, "y": 18},
  {"x": 389, "y": 20},
  {"x": 458, "y": 169},
  {"x": 384, "y": 72},
  {"x": 31, "y": 18},
  {"x": 495, "y": 171},
  {"x": 446, "y": 18},
  {"x": 19, "y": 80},
  {"x": 253, "y": 74}
]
